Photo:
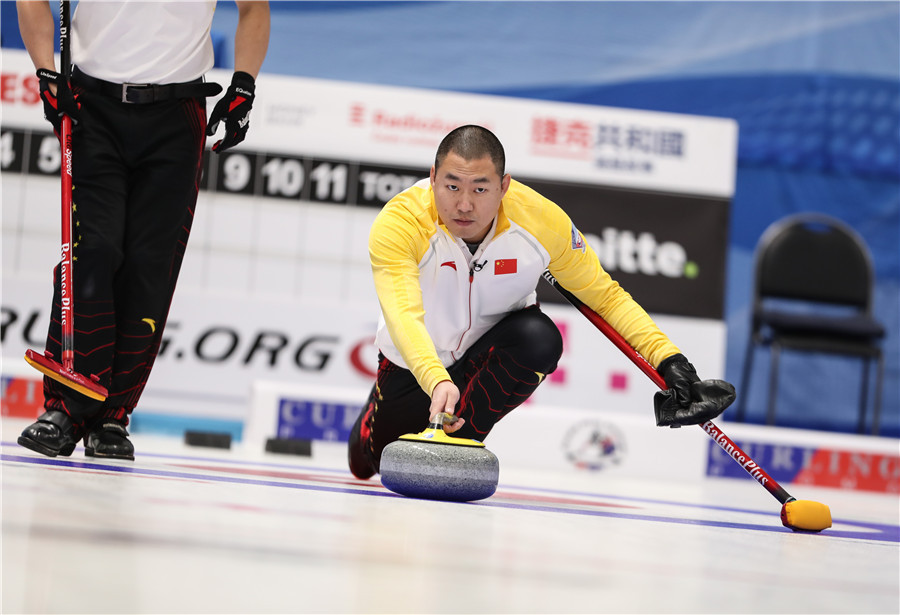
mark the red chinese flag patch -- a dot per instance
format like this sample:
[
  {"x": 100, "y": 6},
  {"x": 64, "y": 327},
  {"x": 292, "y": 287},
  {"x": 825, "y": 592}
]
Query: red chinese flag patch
[{"x": 503, "y": 266}]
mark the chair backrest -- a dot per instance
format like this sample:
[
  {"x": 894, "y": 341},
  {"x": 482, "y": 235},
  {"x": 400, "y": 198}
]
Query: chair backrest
[{"x": 814, "y": 257}]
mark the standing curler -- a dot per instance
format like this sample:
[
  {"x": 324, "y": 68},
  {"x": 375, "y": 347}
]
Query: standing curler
[{"x": 137, "y": 102}]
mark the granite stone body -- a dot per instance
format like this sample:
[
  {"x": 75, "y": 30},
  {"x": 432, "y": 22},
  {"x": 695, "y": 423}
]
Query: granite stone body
[{"x": 438, "y": 471}]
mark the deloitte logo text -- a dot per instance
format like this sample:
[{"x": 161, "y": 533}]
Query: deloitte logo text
[{"x": 622, "y": 251}]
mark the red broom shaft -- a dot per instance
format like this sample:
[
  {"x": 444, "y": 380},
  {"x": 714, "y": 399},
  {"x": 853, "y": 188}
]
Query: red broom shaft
[
  {"x": 745, "y": 461},
  {"x": 618, "y": 341},
  {"x": 67, "y": 320},
  {"x": 732, "y": 449},
  {"x": 66, "y": 269}
]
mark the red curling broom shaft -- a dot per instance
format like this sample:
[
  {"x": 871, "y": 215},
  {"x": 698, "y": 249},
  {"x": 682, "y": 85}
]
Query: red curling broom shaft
[
  {"x": 67, "y": 320},
  {"x": 714, "y": 432}
]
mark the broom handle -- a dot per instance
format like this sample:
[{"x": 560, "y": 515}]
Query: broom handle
[
  {"x": 65, "y": 274},
  {"x": 714, "y": 432},
  {"x": 67, "y": 316}
]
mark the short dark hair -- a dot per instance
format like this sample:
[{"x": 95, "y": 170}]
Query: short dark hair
[{"x": 471, "y": 143}]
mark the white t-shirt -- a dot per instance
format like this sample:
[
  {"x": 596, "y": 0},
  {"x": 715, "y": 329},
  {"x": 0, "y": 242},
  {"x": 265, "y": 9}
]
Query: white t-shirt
[{"x": 143, "y": 42}]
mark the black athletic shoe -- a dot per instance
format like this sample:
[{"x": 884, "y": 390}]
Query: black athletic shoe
[
  {"x": 359, "y": 450},
  {"x": 109, "y": 438},
  {"x": 53, "y": 434}
]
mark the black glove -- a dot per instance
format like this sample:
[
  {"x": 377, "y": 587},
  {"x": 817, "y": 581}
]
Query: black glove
[
  {"x": 64, "y": 102},
  {"x": 688, "y": 400},
  {"x": 679, "y": 374},
  {"x": 234, "y": 108}
]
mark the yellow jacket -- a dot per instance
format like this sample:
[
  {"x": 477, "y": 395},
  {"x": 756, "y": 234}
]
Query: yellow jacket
[{"x": 437, "y": 298}]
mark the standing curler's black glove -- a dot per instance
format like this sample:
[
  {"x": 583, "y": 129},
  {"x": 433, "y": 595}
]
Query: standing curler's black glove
[
  {"x": 64, "y": 102},
  {"x": 234, "y": 108},
  {"x": 688, "y": 400}
]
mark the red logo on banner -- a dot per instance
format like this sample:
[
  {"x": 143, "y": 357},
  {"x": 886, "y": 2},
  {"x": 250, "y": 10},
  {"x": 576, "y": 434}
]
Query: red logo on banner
[
  {"x": 18, "y": 88},
  {"x": 851, "y": 470},
  {"x": 503, "y": 266},
  {"x": 23, "y": 397},
  {"x": 357, "y": 113},
  {"x": 565, "y": 138},
  {"x": 356, "y": 357}
]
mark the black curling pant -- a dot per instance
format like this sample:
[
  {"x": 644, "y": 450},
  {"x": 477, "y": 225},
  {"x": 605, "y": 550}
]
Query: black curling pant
[
  {"x": 136, "y": 175},
  {"x": 497, "y": 374}
]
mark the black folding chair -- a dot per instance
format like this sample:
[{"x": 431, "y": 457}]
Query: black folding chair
[{"x": 813, "y": 293}]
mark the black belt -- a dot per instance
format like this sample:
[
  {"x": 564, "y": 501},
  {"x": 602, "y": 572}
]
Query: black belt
[{"x": 143, "y": 93}]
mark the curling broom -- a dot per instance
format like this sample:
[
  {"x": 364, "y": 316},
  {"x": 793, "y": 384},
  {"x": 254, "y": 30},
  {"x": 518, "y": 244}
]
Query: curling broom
[
  {"x": 798, "y": 515},
  {"x": 45, "y": 363}
]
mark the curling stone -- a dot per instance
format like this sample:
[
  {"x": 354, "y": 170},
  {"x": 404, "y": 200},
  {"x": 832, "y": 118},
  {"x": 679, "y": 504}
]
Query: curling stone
[{"x": 435, "y": 466}]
